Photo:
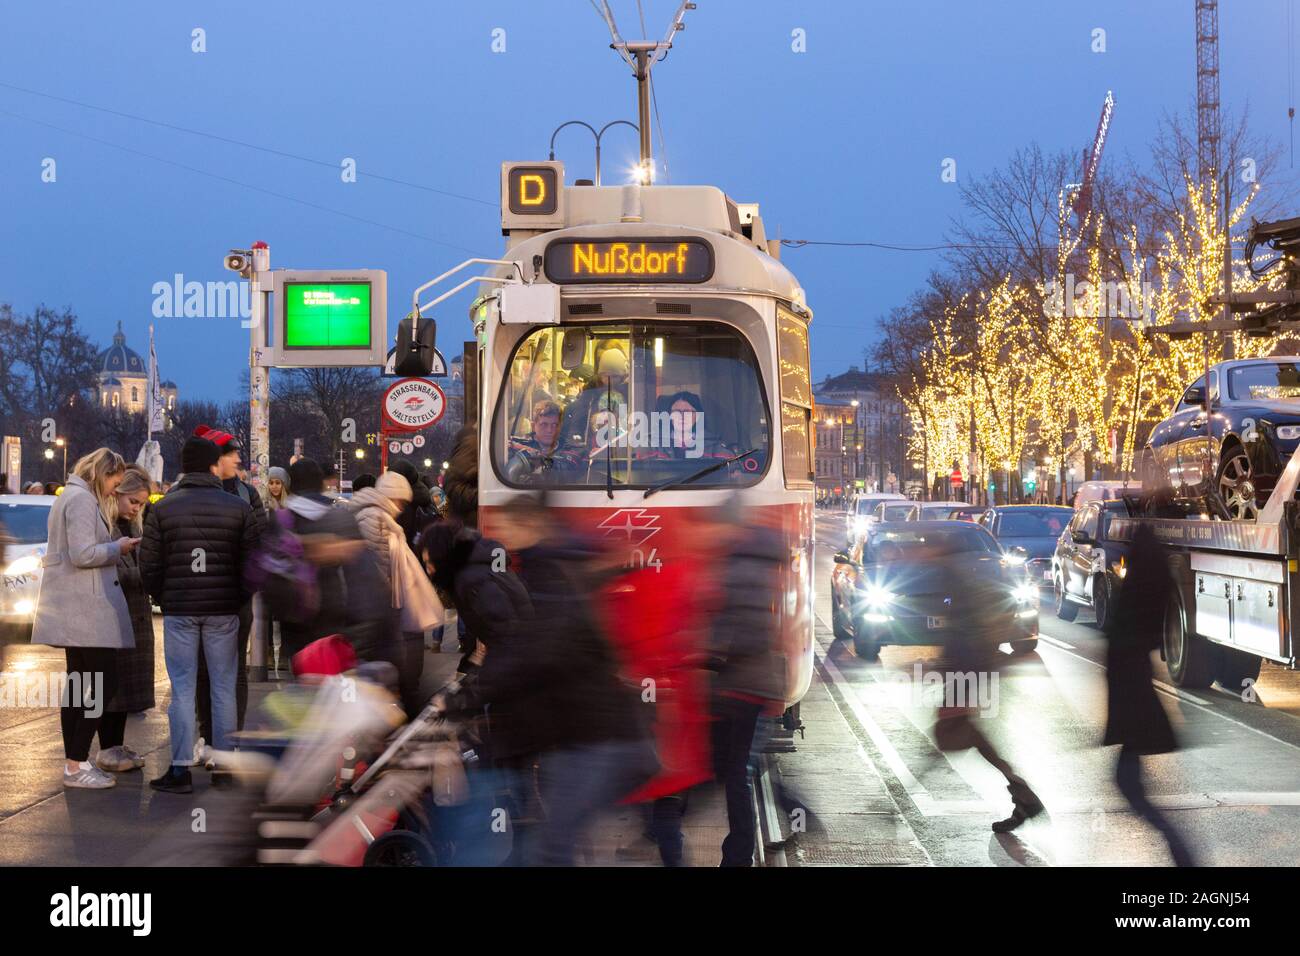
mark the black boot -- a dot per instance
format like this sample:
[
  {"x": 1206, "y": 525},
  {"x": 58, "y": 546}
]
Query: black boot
[
  {"x": 175, "y": 780},
  {"x": 1026, "y": 803}
]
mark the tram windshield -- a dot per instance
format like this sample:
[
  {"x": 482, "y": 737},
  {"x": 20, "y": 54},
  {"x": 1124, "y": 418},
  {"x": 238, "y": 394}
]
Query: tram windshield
[{"x": 632, "y": 406}]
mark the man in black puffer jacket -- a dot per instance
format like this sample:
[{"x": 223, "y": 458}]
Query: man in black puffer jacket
[{"x": 196, "y": 542}]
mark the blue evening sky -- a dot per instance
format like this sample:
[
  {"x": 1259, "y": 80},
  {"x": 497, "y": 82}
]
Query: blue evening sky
[{"x": 843, "y": 142}]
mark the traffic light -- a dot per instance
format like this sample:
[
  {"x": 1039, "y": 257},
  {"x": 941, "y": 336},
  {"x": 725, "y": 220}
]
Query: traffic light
[{"x": 1031, "y": 484}]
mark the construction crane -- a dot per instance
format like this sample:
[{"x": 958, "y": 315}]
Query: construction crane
[
  {"x": 1207, "y": 88},
  {"x": 1092, "y": 159}
]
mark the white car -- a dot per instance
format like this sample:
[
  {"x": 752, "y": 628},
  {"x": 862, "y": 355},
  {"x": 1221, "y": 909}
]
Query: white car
[
  {"x": 862, "y": 513},
  {"x": 25, "y": 523}
]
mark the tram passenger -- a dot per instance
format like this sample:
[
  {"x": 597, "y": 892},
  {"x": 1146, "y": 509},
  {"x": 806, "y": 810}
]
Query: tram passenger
[{"x": 609, "y": 388}]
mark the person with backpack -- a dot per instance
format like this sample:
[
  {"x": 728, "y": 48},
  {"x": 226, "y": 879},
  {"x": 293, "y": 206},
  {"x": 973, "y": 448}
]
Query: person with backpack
[
  {"x": 197, "y": 540},
  {"x": 345, "y": 592},
  {"x": 228, "y": 466}
]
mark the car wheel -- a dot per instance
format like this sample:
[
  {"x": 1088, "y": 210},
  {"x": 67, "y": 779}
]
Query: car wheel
[
  {"x": 1066, "y": 609},
  {"x": 1234, "y": 670},
  {"x": 1236, "y": 484},
  {"x": 1101, "y": 602},
  {"x": 1187, "y": 655},
  {"x": 865, "y": 648},
  {"x": 837, "y": 621},
  {"x": 1027, "y": 646}
]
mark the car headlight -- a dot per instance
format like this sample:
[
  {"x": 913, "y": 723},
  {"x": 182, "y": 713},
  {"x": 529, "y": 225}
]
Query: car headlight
[
  {"x": 28, "y": 564},
  {"x": 1015, "y": 560},
  {"x": 1026, "y": 593},
  {"x": 25, "y": 607},
  {"x": 877, "y": 597},
  {"x": 1287, "y": 432}
]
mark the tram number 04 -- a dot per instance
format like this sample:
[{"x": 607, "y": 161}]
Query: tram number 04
[{"x": 638, "y": 559}]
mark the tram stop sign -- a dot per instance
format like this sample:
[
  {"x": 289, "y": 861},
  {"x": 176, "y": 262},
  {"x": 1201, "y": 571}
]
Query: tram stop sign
[{"x": 413, "y": 404}]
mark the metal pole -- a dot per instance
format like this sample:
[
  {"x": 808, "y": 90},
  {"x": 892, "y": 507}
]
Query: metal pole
[
  {"x": 643, "y": 105},
  {"x": 259, "y": 427}
]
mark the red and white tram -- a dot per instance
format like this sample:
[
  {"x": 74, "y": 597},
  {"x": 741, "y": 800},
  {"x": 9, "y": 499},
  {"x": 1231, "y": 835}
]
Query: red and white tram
[{"x": 642, "y": 355}]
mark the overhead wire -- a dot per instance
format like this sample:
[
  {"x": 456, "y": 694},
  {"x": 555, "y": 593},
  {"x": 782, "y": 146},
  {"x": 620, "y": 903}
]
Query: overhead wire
[
  {"x": 235, "y": 182},
  {"x": 241, "y": 143}
]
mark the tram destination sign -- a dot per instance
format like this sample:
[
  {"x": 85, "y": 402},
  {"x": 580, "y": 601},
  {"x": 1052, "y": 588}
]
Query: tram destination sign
[{"x": 572, "y": 261}]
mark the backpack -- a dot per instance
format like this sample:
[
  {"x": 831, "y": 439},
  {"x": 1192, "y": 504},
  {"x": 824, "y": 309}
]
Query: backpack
[{"x": 280, "y": 572}]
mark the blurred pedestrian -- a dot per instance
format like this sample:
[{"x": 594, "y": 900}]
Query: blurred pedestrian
[
  {"x": 1135, "y": 718},
  {"x": 277, "y": 489},
  {"x": 749, "y": 674},
  {"x": 353, "y": 602},
  {"x": 228, "y": 470},
  {"x": 197, "y": 540},
  {"x": 376, "y": 509},
  {"x": 135, "y": 666},
  {"x": 460, "y": 481},
  {"x": 979, "y": 600},
  {"x": 82, "y": 608},
  {"x": 51, "y": 487},
  {"x": 419, "y": 511},
  {"x": 363, "y": 481},
  {"x": 34, "y": 488}
]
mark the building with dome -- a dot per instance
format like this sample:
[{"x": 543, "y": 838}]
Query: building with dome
[{"x": 124, "y": 378}]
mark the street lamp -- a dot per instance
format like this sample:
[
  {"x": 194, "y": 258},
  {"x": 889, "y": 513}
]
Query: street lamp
[
  {"x": 360, "y": 453},
  {"x": 428, "y": 463},
  {"x": 596, "y": 135}
]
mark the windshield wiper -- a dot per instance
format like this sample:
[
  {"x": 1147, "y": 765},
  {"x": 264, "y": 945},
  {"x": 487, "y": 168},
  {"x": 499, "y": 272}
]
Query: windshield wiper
[{"x": 706, "y": 470}]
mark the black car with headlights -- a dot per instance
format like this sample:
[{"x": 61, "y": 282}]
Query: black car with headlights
[
  {"x": 1028, "y": 535},
  {"x": 901, "y": 585},
  {"x": 1233, "y": 430},
  {"x": 1088, "y": 566}
]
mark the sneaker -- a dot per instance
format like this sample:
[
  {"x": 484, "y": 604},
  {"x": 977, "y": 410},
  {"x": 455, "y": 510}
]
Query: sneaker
[
  {"x": 116, "y": 760},
  {"x": 136, "y": 758},
  {"x": 175, "y": 780},
  {"x": 88, "y": 778},
  {"x": 198, "y": 750}
]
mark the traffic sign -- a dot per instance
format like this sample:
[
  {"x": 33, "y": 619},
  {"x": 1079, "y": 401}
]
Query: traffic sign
[
  {"x": 413, "y": 404},
  {"x": 955, "y": 477}
]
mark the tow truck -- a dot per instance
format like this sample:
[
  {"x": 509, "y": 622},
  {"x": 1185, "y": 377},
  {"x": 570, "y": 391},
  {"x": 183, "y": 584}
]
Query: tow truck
[{"x": 1238, "y": 581}]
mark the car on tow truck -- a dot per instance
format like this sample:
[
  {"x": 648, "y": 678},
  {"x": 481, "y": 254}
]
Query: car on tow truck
[
  {"x": 897, "y": 585},
  {"x": 1233, "y": 431}
]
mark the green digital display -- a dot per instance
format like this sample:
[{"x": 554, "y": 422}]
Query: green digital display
[{"x": 326, "y": 315}]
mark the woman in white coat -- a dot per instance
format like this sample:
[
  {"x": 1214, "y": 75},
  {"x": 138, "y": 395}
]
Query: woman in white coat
[{"x": 81, "y": 607}]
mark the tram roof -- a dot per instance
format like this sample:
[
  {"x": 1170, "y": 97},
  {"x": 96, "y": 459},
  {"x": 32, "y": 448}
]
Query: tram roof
[{"x": 743, "y": 255}]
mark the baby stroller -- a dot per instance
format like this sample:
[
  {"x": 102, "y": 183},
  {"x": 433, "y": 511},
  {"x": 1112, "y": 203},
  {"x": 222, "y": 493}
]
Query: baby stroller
[{"x": 342, "y": 782}]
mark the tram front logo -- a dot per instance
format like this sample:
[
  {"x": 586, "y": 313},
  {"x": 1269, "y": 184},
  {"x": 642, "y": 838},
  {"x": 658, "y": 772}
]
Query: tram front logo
[{"x": 636, "y": 524}]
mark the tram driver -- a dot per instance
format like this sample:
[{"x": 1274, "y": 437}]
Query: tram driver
[{"x": 536, "y": 453}]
